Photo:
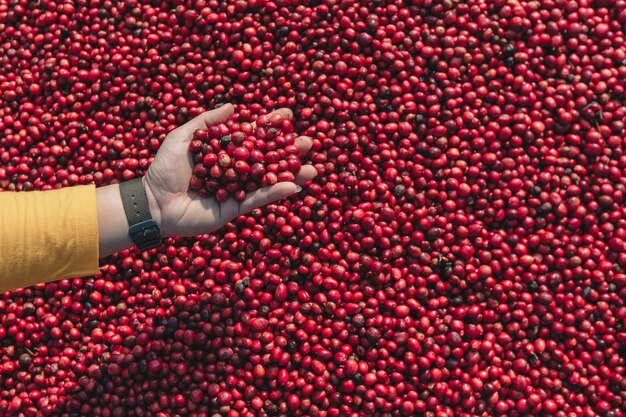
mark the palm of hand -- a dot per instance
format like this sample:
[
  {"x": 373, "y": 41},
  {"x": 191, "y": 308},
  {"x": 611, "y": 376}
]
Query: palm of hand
[{"x": 180, "y": 212}]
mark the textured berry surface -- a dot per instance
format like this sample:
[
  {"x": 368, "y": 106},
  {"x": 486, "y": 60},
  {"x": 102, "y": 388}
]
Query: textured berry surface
[
  {"x": 232, "y": 159},
  {"x": 461, "y": 252}
]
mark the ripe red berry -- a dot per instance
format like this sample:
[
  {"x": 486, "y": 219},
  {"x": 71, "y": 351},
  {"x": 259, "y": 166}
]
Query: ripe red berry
[{"x": 460, "y": 253}]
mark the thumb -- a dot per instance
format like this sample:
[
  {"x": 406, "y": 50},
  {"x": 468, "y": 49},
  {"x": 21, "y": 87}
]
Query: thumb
[
  {"x": 267, "y": 195},
  {"x": 184, "y": 133},
  {"x": 231, "y": 208}
]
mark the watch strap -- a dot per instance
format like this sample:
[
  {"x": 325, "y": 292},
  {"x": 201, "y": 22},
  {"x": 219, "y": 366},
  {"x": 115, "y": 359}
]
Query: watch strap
[{"x": 143, "y": 230}]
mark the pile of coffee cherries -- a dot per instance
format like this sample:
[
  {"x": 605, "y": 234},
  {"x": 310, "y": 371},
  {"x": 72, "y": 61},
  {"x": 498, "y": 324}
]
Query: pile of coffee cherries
[
  {"x": 233, "y": 158},
  {"x": 461, "y": 252}
]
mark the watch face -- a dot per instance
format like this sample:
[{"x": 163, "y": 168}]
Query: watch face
[{"x": 145, "y": 235}]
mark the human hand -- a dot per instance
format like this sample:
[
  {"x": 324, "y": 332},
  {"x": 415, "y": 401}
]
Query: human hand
[{"x": 179, "y": 211}]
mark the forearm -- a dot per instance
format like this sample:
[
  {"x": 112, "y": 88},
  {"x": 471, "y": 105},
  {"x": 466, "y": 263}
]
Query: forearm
[
  {"x": 50, "y": 235},
  {"x": 47, "y": 235},
  {"x": 112, "y": 224}
]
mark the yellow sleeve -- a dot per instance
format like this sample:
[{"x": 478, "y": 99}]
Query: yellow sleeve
[{"x": 47, "y": 235}]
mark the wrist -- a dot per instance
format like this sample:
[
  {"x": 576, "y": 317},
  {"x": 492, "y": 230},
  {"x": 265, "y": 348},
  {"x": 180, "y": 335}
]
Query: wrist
[
  {"x": 153, "y": 204},
  {"x": 142, "y": 227}
]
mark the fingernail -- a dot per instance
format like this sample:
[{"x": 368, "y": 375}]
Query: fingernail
[{"x": 298, "y": 188}]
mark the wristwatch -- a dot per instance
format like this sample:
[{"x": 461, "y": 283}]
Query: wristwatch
[{"x": 143, "y": 230}]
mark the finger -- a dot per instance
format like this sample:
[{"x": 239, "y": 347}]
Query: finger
[
  {"x": 284, "y": 112},
  {"x": 184, "y": 133},
  {"x": 264, "y": 196},
  {"x": 304, "y": 144},
  {"x": 307, "y": 173}
]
